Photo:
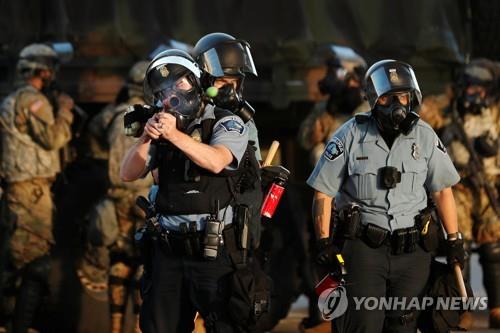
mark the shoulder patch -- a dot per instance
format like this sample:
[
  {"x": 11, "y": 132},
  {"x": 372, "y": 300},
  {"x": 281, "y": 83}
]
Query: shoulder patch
[
  {"x": 232, "y": 125},
  {"x": 440, "y": 146},
  {"x": 36, "y": 105},
  {"x": 334, "y": 149}
]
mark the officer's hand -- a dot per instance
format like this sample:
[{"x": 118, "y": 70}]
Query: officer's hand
[
  {"x": 166, "y": 125},
  {"x": 455, "y": 252},
  {"x": 64, "y": 102},
  {"x": 326, "y": 255},
  {"x": 151, "y": 130}
]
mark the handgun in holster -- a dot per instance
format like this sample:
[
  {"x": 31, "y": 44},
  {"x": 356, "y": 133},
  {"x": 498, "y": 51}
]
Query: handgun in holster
[{"x": 350, "y": 221}]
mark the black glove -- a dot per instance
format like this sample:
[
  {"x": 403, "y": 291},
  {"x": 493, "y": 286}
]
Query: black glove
[
  {"x": 272, "y": 172},
  {"x": 455, "y": 252},
  {"x": 326, "y": 255}
]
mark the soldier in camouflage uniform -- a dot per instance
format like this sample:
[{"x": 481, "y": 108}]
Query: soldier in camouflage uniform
[
  {"x": 111, "y": 259},
  {"x": 32, "y": 131},
  {"x": 345, "y": 98},
  {"x": 474, "y": 100}
]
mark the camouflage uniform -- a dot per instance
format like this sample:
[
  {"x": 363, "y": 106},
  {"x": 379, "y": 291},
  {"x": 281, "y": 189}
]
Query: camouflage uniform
[
  {"x": 471, "y": 204},
  {"x": 477, "y": 219},
  {"x": 31, "y": 136},
  {"x": 110, "y": 262},
  {"x": 316, "y": 129}
]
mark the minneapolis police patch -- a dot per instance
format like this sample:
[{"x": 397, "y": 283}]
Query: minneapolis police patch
[
  {"x": 334, "y": 149},
  {"x": 232, "y": 125}
]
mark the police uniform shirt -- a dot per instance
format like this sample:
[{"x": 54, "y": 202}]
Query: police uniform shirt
[
  {"x": 349, "y": 171},
  {"x": 229, "y": 132}
]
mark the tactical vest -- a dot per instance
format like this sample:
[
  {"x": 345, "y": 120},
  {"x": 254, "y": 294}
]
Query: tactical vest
[
  {"x": 186, "y": 188},
  {"x": 21, "y": 158}
]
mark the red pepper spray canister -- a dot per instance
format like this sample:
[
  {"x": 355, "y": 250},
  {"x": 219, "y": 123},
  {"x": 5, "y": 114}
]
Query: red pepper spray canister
[
  {"x": 273, "y": 197},
  {"x": 278, "y": 176},
  {"x": 332, "y": 280}
]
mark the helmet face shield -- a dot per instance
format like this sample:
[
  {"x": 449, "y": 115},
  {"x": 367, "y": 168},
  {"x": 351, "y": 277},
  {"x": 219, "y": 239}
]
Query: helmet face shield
[
  {"x": 172, "y": 83},
  {"x": 228, "y": 58},
  {"x": 391, "y": 77},
  {"x": 164, "y": 72}
]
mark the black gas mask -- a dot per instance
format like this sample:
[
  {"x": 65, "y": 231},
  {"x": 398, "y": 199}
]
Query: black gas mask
[
  {"x": 471, "y": 103},
  {"x": 228, "y": 97},
  {"x": 183, "y": 104},
  {"x": 342, "y": 97},
  {"x": 394, "y": 117},
  {"x": 170, "y": 93}
]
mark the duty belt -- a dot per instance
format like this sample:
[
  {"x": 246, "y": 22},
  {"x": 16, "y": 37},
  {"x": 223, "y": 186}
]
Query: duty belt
[
  {"x": 400, "y": 241},
  {"x": 186, "y": 244}
]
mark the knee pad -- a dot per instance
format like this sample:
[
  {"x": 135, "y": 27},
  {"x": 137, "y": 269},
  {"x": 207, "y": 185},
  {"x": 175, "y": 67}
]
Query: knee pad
[{"x": 489, "y": 257}]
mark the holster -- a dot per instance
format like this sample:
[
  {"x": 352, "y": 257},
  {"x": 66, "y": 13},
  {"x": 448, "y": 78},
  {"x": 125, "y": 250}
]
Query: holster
[
  {"x": 430, "y": 230},
  {"x": 374, "y": 236},
  {"x": 348, "y": 222}
]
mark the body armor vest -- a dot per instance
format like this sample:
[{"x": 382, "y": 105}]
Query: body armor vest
[
  {"x": 21, "y": 158},
  {"x": 186, "y": 188}
]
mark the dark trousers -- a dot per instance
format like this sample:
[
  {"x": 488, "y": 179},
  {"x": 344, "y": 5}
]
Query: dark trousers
[
  {"x": 375, "y": 272},
  {"x": 179, "y": 287}
]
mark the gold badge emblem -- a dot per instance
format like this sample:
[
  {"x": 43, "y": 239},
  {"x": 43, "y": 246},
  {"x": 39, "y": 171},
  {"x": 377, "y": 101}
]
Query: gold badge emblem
[
  {"x": 415, "y": 151},
  {"x": 393, "y": 75},
  {"x": 164, "y": 71}
]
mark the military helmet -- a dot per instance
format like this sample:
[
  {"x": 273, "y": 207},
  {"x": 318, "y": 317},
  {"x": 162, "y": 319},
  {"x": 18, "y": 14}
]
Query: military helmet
[
  {"x": 219, "y": 54},
  {"x": 479, "y": 72},
  {"x": 135, "y": 78},
  {"x": 137, "y": 72},
  {"x": 37, "y": 56},
  {"x": 389, "y": 76}
]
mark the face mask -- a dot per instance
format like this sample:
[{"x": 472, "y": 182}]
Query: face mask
[
  {"x": 228, "y": 98},
  {"x": 389, "y": 118},
  {"x": 471, "y": 103},
  {"x": 183, "y": 104}
]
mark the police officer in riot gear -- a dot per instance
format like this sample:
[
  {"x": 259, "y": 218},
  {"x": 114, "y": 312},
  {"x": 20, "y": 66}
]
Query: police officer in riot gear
[
  {"x": 193, "y": 150},
  {"x": 225, "y": 62},
  {"x": 375, "y": 172}
]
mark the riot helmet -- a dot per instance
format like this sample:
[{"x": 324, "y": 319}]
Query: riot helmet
[
  {"x": 393, "y": 94},
  {"x": 221, "y": 56},
  {"x": 172, "y": 83},
  {"x": 475, "y": 86},
  {"x": 35, "y": 58},
  {"x": 342, "y": 83}
]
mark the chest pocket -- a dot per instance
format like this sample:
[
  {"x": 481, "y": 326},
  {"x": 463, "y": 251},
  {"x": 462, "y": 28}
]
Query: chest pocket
[
  {"x": 413, "y": 176},
  {"x": 363, "y": 179}
]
